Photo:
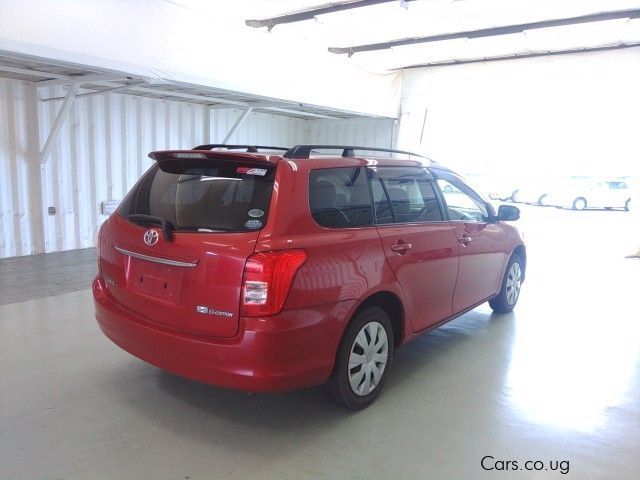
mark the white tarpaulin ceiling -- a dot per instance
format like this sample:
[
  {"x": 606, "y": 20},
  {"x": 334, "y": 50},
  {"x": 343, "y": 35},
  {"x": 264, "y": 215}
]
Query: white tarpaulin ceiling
[
  {"x": 390, "y": 21},
  {"x": 206, "y": 43}
]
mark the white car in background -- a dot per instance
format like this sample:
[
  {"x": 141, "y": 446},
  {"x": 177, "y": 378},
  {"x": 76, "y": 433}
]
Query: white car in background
[{"x": 591, "y": 194}]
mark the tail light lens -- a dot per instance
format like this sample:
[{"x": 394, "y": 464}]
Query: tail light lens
[{"x": 267, "y": 279}]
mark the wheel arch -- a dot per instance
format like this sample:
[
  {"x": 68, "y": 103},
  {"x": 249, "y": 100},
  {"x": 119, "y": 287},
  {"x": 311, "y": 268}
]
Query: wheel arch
[{"x": 393, "y": 307}]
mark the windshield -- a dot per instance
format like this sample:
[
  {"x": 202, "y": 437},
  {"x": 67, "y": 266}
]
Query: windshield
[{"x": 203, "y": 195}]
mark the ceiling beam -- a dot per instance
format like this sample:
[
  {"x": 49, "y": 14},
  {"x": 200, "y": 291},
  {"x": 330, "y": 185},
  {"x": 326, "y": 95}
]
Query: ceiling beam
[
  {"x": 517, "y": 56},
  {"x": 190, "y": 96},
  {"x": 313, "y": 12},
  {"x": 213, "y": 101},
  {"x": 28, "y": 71},
  {"x": 295, "y": 112},
  {"x": 98, "y": 92},
  {"x": 491, "y": 32},
  {"x": 69, "y": 79},
  {"x": 94, "y": 82}
]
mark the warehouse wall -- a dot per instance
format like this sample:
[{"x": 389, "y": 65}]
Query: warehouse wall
[{"x": 102, "y": 151}]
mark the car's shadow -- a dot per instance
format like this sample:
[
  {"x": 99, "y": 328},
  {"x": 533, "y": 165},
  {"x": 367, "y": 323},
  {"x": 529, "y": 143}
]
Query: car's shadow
[{"x": 213, "y": 414}]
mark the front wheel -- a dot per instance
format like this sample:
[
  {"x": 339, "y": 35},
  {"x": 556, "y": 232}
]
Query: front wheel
[
  {"x": 627, "y": 204},
  {"x": 363, "y": 360},
  {"x": 510, "y": 289}
]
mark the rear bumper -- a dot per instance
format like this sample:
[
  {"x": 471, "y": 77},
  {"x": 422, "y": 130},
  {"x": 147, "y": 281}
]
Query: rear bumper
[{"x": 292, "y": 350}]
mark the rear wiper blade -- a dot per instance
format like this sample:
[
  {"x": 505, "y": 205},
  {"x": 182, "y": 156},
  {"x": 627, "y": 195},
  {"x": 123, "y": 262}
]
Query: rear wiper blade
[{"x": 165, "y": 225}]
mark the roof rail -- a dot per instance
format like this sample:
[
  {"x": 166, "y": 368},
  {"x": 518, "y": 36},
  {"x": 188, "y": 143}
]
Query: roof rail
[
  {"x": 304, "y": 151},
  {"x": 250, "y": 148}
]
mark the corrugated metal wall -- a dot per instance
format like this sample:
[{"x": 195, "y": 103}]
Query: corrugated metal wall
[
  {"x": 359, "y": 132},
  {"x": 102, "y": 151}
]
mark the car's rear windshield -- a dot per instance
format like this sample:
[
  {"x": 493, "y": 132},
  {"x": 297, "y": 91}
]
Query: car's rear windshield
[{"x": 204, "y": 195}]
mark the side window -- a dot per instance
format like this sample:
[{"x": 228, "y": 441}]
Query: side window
[
  {"x": 404, "y": 195},
  {"x": 340, "y": 197},
  {"x": 462, "y": 203}
]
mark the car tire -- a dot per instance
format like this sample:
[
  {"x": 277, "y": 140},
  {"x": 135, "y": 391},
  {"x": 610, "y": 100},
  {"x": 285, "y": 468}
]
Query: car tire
[
  {"x": 627, "y": 204},
  {"x": 541, "y": 200},
  {"x": 509, "y": 293},
  {"x": 579, "y": 203},
  {"x": 370, "y": 326}
]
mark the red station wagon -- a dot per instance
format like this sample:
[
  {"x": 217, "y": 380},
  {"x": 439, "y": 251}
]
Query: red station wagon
[{"x": 237, "y": 267}]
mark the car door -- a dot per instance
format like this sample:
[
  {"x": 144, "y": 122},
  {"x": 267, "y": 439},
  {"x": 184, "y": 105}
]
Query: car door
[
  {"x": 419, "y": 243},
  {"x": 482, "y": 242}
]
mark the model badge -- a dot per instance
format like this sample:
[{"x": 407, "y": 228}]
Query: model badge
[
  {"x": 212, "y": 311},
  {"x": 150, "y": 237}
]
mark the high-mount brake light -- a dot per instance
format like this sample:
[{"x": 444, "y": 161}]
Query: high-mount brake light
[{"x": 189, "y": 155}]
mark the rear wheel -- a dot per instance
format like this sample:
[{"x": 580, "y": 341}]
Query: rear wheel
[
  {"x": 579, "y": 204},
  {"x": 541, "y": 199},
  {"x": 510, "y": 289},
  {"x": 363, "y": 360},
  {"x": 627, "y": 204}
]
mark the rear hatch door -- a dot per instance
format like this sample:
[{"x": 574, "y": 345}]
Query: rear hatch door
[{"x": 214, "y": 208}]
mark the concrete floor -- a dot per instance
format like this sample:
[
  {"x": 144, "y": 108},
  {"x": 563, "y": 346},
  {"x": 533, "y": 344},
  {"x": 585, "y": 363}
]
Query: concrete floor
[{"x": 558, "y": 380}]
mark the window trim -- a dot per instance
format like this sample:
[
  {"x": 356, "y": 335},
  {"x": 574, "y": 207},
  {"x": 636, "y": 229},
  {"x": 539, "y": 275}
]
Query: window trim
[{"x": 436, "y": 190}]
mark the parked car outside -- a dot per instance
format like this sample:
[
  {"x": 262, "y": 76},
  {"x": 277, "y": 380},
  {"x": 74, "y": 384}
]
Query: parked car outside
[
  {"x": 580, "y": 195},
  {"x": 504, "y": 193},
  {"x": 502, "y": 186},
  {"x": 266, "y": 273},
  {"x": 531, "y": 194}
]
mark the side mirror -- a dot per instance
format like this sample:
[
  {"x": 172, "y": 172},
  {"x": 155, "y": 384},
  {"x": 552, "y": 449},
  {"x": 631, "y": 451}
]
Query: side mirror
[{"x": 508, "y": 213}]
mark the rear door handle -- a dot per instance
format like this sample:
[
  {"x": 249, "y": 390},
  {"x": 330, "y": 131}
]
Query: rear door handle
[
  {"x": 400, "y": 247},
  {"x": 464, "y": 240}
]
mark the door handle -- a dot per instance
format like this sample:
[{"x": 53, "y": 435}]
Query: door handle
[
  {"x": 400, "y": 247},
  {"x": 464, "y": 240}
]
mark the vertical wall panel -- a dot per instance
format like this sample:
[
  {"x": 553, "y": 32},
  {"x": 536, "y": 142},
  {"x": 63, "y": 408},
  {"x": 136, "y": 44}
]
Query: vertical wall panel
[{"x": 20, "y": 216}]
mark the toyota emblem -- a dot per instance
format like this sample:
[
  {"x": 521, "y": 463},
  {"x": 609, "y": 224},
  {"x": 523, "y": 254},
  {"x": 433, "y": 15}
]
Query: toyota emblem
[{"x": 150, "y": 237}]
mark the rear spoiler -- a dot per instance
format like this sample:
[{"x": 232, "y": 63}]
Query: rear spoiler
[
  {"x": 166, "y": 155},
  {"x": 248, "y": 148}
]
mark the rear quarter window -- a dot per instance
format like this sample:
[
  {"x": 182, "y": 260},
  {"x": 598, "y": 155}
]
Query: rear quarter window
[
  {"x": 204, "y": 195},
  {"x": 340, "y": 197}
]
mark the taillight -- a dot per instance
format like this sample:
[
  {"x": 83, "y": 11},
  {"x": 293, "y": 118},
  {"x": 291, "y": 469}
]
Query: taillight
[{"x": 267, "y": 279}]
